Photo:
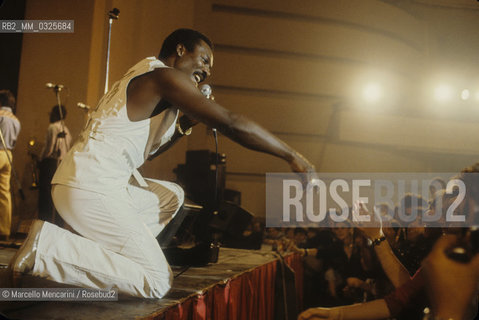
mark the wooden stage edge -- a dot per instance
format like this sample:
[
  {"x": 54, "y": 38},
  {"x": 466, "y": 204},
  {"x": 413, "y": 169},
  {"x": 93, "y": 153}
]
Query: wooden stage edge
[{"x": 231, "y": 263}]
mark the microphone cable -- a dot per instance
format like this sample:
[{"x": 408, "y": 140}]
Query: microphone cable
[{"x": 215, "y": 135}]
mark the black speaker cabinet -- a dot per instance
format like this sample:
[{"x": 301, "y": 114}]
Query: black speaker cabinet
[{"x": 203, "y": 177}]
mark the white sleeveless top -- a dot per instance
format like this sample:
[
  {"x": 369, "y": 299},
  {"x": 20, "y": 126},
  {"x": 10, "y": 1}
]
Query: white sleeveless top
[{"x": 111, "y": 147}]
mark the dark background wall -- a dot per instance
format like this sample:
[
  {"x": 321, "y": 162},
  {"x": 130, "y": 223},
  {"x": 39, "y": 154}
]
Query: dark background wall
[{"x": 11, "y": 45}]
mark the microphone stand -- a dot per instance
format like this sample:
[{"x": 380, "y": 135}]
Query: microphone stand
[
  {"x": 62, "y": 134},
  {"x": 113, "y": 15},
  {"x": 57, "y": 90}
]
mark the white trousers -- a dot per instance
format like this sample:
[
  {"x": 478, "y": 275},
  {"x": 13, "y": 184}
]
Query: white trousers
[
  {"x": 5, "y": 195},
  {"x": 117, "y": 248}
]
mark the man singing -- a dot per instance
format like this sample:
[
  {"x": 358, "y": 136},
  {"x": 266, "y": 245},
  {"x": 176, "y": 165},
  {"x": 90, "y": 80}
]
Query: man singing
[{"x": 99, "y": 192}]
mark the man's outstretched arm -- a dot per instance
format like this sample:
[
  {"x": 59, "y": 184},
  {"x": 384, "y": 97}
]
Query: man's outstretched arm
[{"x": 177, "y": 88}]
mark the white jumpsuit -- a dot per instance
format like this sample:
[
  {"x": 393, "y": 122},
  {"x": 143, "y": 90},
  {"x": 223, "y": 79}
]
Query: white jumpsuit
[{"x": 117, "y": 217}]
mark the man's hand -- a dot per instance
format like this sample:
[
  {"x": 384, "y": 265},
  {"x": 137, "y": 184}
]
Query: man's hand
[
  {"x": 300, "y": 164},
  {"x": 451, "y": 285},
  {"x": 306, "y": 169}
]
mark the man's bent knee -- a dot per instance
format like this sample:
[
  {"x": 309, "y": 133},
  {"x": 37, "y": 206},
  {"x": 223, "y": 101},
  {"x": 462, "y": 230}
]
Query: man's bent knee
[{"x": 160, "y": 284}]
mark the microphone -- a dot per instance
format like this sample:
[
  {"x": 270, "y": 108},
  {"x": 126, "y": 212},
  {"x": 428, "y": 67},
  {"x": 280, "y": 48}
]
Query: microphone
[
  {"x": 114, "y": 14},
  {"x": 205, "y": 90},
  {"x": 53, "y": 86},
  {"x": 83, "y": 106}
]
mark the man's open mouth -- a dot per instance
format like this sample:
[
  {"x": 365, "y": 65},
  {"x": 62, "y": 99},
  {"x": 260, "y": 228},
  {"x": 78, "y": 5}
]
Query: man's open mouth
[{"x": 199, "y": 76}]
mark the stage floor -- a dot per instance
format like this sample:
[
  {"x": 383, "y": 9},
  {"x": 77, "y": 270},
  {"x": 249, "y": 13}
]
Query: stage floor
[{"x": 196, "y": 280}]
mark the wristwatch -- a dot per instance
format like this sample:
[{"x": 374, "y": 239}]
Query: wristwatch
[{"x": 377, "y": 241}]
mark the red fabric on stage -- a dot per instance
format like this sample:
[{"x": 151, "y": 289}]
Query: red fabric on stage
[
  {"x": 200, "y": 307},
  {"x": 248, "y": 296},
  {"x": 203, "y": 306},
  {"x": 265, "y": 289},
  {"x": 235, "y": 305},
  {"x": 252, "y": 294},
  {"x": 221, "y": 296},
  {"x": 181, "y": 311},
  {"x": 296, "y": 263}
]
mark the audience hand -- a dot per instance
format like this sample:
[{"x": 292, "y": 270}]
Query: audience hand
[
  {"x": 321, "y": 313},
  {"x": 354, "y": 282},
  {"x": 373, "y": 229}
]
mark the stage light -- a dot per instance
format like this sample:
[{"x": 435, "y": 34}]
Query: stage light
[
  {"x": 372, "y": 92},
  {"x": 443, "y": 93},
  {"x": 465, "y": 94}
]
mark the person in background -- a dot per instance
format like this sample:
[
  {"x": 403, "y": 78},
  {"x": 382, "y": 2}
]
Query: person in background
[
  {"x": 57, "y": 143},
  {"x": 10, "y": 128},
  {"x": 436, "y": 184},
  {"x": 412, "y": 247}
]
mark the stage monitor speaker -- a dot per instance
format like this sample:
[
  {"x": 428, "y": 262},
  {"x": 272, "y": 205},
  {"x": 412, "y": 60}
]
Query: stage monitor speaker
[
  {"x": 180, "y": 227},
  {"x": 230, "y": 219},
  {"x": 203, "y": 177}
]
